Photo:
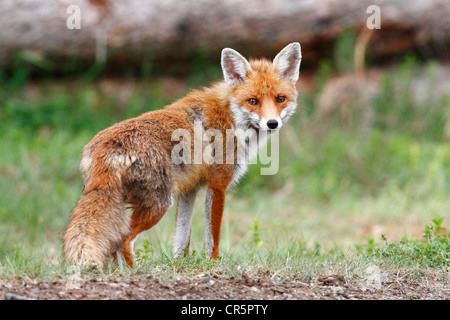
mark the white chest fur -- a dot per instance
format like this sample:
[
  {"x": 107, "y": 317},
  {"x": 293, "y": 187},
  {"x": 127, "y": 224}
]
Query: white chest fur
[{"x": 248, "y": 141}]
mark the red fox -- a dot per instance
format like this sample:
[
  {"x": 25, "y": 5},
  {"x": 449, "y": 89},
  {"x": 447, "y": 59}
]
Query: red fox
[{"x": 131, "y": 163}]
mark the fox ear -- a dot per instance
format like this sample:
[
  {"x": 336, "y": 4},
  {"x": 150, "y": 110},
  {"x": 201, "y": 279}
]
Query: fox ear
[
  {"x": 234, "y": 66},
  {"x": 288, "y": 62}
]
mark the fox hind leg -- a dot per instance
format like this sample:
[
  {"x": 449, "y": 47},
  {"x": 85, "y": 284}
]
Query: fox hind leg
[
  {"x": 142, "y": 219},
  {"x": 185, "y": 208}
]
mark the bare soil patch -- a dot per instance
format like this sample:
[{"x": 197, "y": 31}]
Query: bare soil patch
[{"x": 219, "y": 287}]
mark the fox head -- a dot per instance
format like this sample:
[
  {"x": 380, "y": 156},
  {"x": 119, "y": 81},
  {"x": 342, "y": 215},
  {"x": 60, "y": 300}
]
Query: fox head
[{"x": 262, "y": 93}]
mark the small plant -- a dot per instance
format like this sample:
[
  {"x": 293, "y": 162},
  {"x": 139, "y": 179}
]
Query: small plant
[
  {"x": 146, "y": 252},
  {"x": 256, "y": 236},
  {"x": 435, "y": 230},
  {"x": 194, "y": 260},
  {"x": 432, "y": 251}
]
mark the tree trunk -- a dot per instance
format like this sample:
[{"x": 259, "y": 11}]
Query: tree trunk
[{"x": 127, "y": 31}]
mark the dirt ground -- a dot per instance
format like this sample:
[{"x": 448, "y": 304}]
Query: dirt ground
[{"x": 219, "y": 287}]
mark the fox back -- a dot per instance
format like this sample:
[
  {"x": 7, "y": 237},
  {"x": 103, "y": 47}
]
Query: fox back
[{"x": 196, "y": 141}]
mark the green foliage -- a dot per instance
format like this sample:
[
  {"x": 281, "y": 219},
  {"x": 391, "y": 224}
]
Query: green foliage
[
  {"x": 15, "y": 262},
  {"x": 433, "y": 251},
  {"x": 203, "y": 71},
  {"x": 58, "y": 108},
  {"x": 343, "y": 53},
  {"x": 328, "y": 171},
  {"x": 256, "y": 236},
  {"x": 404, "y": 145},
  {"x": 399, "y": 109},
  {"x": 195, "y": 260},
  {"x": 323, "y": 74},
  {"x": 146, "y": 252}
]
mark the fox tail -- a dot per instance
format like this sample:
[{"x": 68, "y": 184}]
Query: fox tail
[{"x": 97, "y": 225}]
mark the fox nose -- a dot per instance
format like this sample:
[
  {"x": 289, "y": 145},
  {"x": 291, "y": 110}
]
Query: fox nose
[{"x": 272, "y": 124}]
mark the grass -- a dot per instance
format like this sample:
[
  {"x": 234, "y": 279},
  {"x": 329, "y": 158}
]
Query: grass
[{"x": 344, "y": 199}]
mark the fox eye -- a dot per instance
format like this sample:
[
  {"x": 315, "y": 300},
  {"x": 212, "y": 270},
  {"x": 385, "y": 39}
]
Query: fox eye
[
  {"x": 281, "y": 99},
  {"x": 253, "y": 101}
]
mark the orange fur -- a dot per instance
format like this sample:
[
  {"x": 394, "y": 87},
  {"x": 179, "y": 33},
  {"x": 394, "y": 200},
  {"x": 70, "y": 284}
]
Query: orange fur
[{"x": 130, "y": 163}]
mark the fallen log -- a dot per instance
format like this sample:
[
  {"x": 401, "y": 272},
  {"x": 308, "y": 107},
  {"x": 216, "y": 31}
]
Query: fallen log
[{"x": 126, "y": 32}]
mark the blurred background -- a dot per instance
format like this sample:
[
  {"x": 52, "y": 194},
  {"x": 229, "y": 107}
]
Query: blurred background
[{"x": 366, "y": 156}]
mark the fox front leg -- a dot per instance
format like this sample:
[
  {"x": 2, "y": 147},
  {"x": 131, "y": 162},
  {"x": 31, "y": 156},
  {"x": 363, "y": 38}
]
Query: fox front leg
[{"x": 214, "y": 205}]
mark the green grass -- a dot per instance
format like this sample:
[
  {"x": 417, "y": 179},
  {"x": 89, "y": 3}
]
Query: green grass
[
  {"x": 432, "y": 251},
  {"x": 345, "y": 198}
]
